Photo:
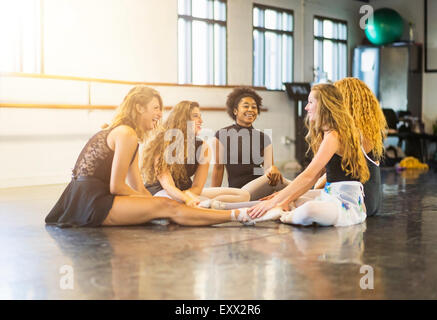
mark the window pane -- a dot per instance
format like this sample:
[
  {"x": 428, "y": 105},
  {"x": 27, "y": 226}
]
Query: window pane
[
  {"x": 202, "y": 52},
  {"x": 335, "y": 31},
  {"x": 184, "y": 51},
  {"x": 318, "y": 61},
  {"x": 343, "y": 31},
  {"x": 184, "y": 7},
  {"x": 258, "y": 58},
  {"x": 202, "y": 9},
  {"x": 327, "y": 28},
  {"x": 342, "y": 61},
  {"x": 318, "y": 28},
  {"x": 273, "y": 19},
  {"x": 202, "y": 44},
  {"x": 258, "y": 17},
  {"x": 219, "y": 54},
  {"x": 327, "y": 58},
  {"x": 335, "y": 61},
  {"x": 273, "y": 64},
  {"x": 287, "y": 22},
  {"x": 219, "y": 10},
  {"x": 287, "y": 58}
]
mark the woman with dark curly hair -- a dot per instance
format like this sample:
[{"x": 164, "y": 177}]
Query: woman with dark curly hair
[{"x": 245, "y": 152}]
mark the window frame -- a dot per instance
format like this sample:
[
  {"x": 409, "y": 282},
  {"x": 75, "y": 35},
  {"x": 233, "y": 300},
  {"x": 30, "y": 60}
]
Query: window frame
[
  {"x": 335, "y": 20},
  {"x": 263, "y": 30},
  {"x": 209, "y": 21}
]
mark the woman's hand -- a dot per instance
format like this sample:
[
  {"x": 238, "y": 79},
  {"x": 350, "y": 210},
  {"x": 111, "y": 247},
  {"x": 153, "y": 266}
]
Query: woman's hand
[
  {"x": 287, "y": 206},
  {"x": 274, "y": 176},
  {"x": 261, "y": 208},
  {"x": 270, "y": 196},
  {"x": 190, "y": 199}
]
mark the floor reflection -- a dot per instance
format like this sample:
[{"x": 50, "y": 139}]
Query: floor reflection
[{"x": 228, "y": 261}]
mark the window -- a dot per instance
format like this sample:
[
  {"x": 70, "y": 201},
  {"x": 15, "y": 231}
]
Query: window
[
  {"x": 272, "y": 47},
  {"x": 202, "y": 41},
  {"x": 20, "y": 40},
  {"x": 330, "y": 49}
]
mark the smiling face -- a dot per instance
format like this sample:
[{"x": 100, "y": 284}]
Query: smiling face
[
  {"x": 311, "y": 107},
  {"x": 197, "y": 119},
  {"x": 246, "y": 112},
  {"x": 150, "y": 114}
]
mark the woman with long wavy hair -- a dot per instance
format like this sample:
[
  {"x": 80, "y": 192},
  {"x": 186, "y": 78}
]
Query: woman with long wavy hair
[
  {"x": 370, "y": 121},
  {"x": 179, "y": 155},
  {"x": 335, "y": 143},
  {"x": 106, "y": 187}
]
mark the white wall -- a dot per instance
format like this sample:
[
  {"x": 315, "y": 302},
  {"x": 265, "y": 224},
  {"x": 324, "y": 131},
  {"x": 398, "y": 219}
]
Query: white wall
[{"x": 135, "y": 40}]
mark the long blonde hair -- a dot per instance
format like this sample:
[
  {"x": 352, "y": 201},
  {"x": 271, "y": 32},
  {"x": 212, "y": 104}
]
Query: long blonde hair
[
  {"x": 154, "y": 158},
  {"x": 127, "y": 111},
  {"x": 331, "y": 114},
  {"x": 366, "y": 112}
]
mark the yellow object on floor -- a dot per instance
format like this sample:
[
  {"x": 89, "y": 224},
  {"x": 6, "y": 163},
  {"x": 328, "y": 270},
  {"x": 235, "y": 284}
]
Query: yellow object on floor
[{"x": 413, "y": 163}]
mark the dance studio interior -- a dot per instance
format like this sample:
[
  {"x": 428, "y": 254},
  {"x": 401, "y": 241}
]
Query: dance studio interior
[{"x": 65, "y": 67}]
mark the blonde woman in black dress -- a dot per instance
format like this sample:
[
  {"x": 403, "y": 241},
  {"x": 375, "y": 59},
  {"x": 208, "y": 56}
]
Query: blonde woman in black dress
[{"x": 106, "y": 187}]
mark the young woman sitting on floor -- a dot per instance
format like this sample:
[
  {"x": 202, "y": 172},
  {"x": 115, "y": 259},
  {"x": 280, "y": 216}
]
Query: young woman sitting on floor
[
  {"x": 335, "y": 143},
  {"x": 179, "y": 155}
]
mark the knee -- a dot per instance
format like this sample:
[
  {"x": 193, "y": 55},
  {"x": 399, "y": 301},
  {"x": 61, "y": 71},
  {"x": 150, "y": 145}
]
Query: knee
[
  {"x": 169, "y": 206},
  {"x": 310, "y": 208},
  {"x": 245, "y": 195}
]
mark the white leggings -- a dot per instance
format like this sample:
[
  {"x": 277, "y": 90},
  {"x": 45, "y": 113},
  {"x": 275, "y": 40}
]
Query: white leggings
[
  {"x": 309, "y": 211},
  {"x": 339, "y": 204}
]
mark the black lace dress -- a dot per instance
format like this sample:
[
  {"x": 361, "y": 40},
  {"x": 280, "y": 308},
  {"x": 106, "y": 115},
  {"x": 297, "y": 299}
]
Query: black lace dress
[{"x": 86, "y": 200}]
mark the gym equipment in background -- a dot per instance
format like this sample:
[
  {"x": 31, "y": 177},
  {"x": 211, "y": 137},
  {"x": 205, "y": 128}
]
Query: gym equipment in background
[{"x": 386, "y": 27}]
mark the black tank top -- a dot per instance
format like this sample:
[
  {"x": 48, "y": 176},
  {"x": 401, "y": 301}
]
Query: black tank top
[
  {"x": 242, "y": 146},
  {"x": 183, "y": 185},
  {"x": 372, "y": 187},
  {"x": 95, "y": 159}
]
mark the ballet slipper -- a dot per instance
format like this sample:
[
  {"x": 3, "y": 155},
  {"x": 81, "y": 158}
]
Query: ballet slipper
[
  {"x": 205, "y": 204},
  {"x": 287, "y": 217},
  {"x": 243, "y": 217},
  {"x": 272, "y": 214},
  {"x": 218, "y": 205}
]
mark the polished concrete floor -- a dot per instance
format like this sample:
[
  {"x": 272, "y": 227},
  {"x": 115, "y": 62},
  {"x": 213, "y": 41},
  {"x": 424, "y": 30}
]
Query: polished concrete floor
[{"x": 395, "y": 253}]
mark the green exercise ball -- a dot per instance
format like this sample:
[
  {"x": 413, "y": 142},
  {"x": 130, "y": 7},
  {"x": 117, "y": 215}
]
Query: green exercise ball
[{"x": 387, "y": 27}]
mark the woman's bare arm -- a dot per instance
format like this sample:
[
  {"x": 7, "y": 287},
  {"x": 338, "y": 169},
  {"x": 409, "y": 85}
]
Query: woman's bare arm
[
  {"x": 303, "y": 181},
  {"x": 124, "y": 141},
  {"x": 201, "y": 173},
  {"x": 219, "y": 167},
  {"x": 134, "y": 177}
]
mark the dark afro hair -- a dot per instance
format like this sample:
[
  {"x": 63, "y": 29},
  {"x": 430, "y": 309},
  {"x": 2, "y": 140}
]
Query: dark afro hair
[{"x": 239, "y": 93}]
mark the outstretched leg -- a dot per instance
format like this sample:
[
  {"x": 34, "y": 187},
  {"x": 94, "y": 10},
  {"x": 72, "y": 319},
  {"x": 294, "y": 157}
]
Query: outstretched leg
[
  {"x": 131, "y": 210},
  {"x": 226, "y": 194},
  {"x": 260, "y": 187},
  {"x": 324, "y": 213}
]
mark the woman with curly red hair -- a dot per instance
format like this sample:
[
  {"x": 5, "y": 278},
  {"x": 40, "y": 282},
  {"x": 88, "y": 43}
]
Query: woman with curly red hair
[{"x": 336, "y": 145}]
